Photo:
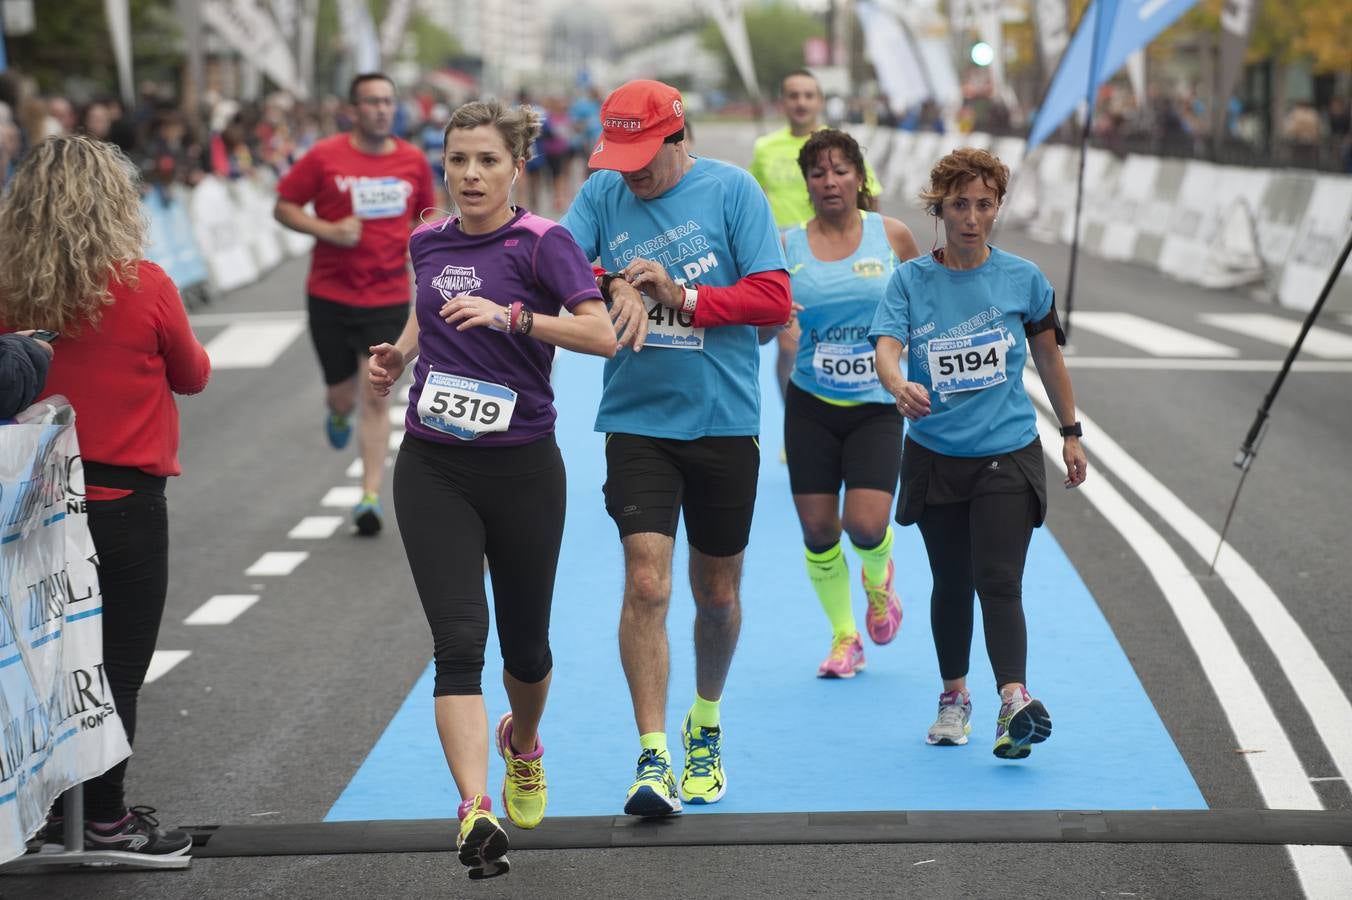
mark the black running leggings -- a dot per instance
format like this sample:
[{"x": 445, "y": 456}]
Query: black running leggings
[
  {"x": 980, "y": 545},
  {"x": 458, "y": 504}
]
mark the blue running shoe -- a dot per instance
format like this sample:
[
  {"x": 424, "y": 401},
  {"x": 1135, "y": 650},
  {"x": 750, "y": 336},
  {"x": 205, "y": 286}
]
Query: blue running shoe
[
  {"x": 368, "y": 516},
  {"x": 338, "y": 429},
  {"x": 654, "y": 790}
]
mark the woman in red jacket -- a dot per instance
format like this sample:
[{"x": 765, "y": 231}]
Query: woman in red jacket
[{"x": 71, "y": 240}]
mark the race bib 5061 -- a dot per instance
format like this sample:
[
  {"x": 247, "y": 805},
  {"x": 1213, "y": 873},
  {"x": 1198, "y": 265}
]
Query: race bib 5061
[{"x": 845, "y": 367}]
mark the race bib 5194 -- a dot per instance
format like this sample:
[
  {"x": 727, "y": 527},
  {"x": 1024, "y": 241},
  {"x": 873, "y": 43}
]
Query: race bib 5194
[
  {"x": 970, "y": 363},
  {"x": 465, "y": 407}
]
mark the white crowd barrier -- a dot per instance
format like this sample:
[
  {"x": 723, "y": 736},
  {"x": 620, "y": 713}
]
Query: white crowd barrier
[
  {"x": 220, "y": 232},
  {"x": 58, "y": 726},
  {"x": 1214, "y": 225}
]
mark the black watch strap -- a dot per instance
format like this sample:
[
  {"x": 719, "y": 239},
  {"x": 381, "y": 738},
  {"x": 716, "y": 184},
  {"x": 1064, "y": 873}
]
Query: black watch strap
[
  {"x": 606, "y": 279},
  {"x": 1075, "y": 430}
]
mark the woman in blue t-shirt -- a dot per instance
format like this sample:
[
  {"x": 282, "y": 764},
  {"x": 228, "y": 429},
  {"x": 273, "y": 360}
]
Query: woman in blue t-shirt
[
  {"x": 968, "y": 315},
  {"x": 479, "y": 475},
  {"x": 840, "y": 426}
]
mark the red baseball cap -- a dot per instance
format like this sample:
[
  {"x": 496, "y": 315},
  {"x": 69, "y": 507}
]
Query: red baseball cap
[{"x": 635, "y": 119}]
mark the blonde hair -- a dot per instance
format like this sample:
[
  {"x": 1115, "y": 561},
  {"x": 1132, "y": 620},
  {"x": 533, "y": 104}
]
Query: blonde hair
[
  {"x": 518, "y": 125},
  {"x": 71, "y": 221},
  {"x": 952, "y": 173}
]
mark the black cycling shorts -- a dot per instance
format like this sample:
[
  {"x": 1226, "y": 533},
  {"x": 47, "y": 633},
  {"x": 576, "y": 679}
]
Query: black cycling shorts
[
  {"x": 650, "y": 481},
  {"x": 827, "y": 444},
  {"x": 343, "y": 334}
]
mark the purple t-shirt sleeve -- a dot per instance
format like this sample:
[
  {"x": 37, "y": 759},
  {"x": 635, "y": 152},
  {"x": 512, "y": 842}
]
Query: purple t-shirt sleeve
[{"x": 562, "y": 269}]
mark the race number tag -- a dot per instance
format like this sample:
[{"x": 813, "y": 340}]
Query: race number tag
[
  {"x": 379, "y": 198},
  {"x": 672, "y": 328},
  {"x": 970, "y": 363},
  {"x": 845, "y": 367},
  {"x": 463, "y": 407}
]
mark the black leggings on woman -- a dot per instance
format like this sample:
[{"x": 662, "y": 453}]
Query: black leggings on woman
[
  {"x": 980, "y": 545},
  {"x": 458, "y": 504}
]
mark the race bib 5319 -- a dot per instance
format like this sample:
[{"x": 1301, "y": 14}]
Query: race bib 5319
[{"x": 465, "y": 407}]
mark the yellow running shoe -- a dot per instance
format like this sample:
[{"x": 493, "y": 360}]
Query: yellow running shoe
[
  {"x": 524, "y": 794},
  {"x": 482, "y": 844},
  {"x": 653, "y": 792},
  {"x": 703, "y": 780}
]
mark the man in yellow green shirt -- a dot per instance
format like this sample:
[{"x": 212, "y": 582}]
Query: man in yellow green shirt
[{"x": 774, "y": 164}]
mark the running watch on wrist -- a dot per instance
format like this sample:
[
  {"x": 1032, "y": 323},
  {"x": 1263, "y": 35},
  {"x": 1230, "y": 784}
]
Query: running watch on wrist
[{"x": 1072, "y": 430}]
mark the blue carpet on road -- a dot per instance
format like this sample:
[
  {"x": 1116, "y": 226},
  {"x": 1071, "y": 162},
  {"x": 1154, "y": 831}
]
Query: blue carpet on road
[{"x": 793, "y": 742}]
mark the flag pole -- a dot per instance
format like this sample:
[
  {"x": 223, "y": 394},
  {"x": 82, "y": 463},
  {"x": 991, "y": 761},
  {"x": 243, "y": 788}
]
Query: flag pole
[{"x": 1098, "y": 9}]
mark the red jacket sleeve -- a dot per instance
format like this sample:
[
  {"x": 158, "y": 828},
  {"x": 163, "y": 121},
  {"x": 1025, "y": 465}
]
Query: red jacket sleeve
[
  {"x": 761, "y": 298},
  {"x": 186, "y": 364}
]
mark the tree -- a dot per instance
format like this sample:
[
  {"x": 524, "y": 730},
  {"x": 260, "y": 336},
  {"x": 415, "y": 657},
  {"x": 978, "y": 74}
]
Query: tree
[
  {"x": 71, "y": 38},
  {"x": 777, "y": 33}
]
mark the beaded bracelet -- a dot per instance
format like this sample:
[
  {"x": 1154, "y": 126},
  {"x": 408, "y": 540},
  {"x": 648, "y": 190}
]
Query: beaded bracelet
[
  {"x": 513, "y": 316},
  {"x": 527, "y": 322}
]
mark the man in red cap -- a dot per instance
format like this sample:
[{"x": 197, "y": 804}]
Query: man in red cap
[{"x": 692, "y": 263}]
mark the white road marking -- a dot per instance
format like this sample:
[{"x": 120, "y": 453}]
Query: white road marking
[
  {"x": 1321, "y": 342},
  {"x": 1278, "y": 772},
  {"x": 255, "y": 345},
  {"x": 313, "y": 528},
  {"x": 397, "y": 413},
  {"x": 1203, "y": 365},
  {"x": 1149, "y": 335},
  {"x": 277, "y": 562},
  {"x": 221, "y": 609},
  {"x": 344, "y": 497},
  {"x": 354, "y": 468},
  {"x": 396, "y": 438},
  {"x": 162, "y": 661},
  {"x": 293, "y": 315}
]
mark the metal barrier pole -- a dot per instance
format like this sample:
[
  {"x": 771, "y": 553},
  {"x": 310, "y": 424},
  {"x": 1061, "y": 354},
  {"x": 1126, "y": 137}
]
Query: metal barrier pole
[{"x": 73, "y": 839}]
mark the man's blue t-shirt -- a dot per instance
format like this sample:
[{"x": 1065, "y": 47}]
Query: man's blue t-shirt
[
  {"x": 964, "y": 337},
  {"x": 714, "y": 227}
]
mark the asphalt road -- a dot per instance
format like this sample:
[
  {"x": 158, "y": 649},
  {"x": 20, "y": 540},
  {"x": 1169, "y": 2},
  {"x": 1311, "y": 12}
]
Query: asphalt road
[{"x": 269, "y": 716}]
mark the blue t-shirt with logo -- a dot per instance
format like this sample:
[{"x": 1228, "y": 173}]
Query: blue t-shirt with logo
[
  {"x": 839, "y": 297},
  {"x": 964, "y": 337},
  {"x": 713, "y": 227}
]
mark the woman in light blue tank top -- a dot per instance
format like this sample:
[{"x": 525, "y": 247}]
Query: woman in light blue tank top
[{"x": 840, "y": 426}]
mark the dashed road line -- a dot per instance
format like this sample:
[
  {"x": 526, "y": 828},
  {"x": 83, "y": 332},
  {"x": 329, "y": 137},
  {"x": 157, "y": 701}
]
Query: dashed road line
[
  {"x": 221, "y": 609},
  {"x": 161, "y": 661},
  {"x": 255, "y": 345},
  {"x": 1150, "y": 336},
  {"x": 277, "y": 562},
  {"x": 343, "y": 497},
  {"x": 1322, "y": 342},
  {"x": 313, "y": 528}
]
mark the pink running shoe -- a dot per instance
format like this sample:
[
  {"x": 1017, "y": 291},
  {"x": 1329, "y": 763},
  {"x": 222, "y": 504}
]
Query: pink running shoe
[
  {"x": 883, "y": 618},
  {"x": 847, "y": 657}
]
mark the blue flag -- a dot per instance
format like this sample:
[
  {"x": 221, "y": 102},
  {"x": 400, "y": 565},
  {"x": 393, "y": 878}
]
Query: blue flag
[
  {"x": 3, "y": 63},
  {"x": 1127, "y": 26}
]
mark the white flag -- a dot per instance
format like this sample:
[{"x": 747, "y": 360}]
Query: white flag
[
  {"x": 392, "y": 29},
  {"x": 1053, "y": 32},
  {"x": 359, "y": 33},
  {"x": 119, "y": 29},
  {"x": 254, "y": 35},
  {"x": 732, "y": 25},
  {"x": 1236, "y": 26}
]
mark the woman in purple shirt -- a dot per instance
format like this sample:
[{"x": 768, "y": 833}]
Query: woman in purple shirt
[{"x": 479, "y": 474}]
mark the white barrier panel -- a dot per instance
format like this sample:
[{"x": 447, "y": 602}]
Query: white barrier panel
[
  {"x": 876, "y": 153},
  {"x": 1280, "y": 214},
  {"x": 1010, "y": 152},
  {"x": 263, "y": 231},
  {"x": 1057, "y": 171},
  {"x": 925, "y": 152},
  {"x": 899, "y": 162},
  {"x": 219, "y": 227},
  {"x": 1317, "y": 245},
  {"x": 1101, "y": 171},
  {"x": 293, "y": 242},
  {"x": 58, "y": 726},
  {"x": 977, "y": 139},
  {"x": 1158, "y": 211},
  {"x": 1233, "y": 255},
  {"x": 1193, "y": 224},
  {"x": 1135, "y": 187}
]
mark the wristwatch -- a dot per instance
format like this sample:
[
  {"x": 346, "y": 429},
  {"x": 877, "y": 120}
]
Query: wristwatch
[
  {"x": 1072, "y": 430},
  {"x": 606, "y": 279}
]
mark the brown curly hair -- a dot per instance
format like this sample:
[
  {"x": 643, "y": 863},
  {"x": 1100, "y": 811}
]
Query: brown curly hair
[
  {"x": 71, "y": 221},
  {"x": 952, "y": 173},
  {"x": 826, "y": 139}
]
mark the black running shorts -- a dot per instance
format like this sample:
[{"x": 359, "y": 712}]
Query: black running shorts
[
  {"x": 650, "y": 481},
  {"x": 828, "y": 444},
  {"x": 343, "y": 334}
]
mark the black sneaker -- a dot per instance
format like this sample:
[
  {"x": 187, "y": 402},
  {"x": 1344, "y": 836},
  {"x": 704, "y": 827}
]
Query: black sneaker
[
  {"x": 51, "y": 836},
  {"x": 137, "y": 832}
]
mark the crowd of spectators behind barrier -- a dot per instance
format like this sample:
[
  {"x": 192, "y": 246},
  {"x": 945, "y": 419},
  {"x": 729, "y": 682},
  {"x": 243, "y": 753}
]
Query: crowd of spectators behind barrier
[{"x": 232, "y": 139}]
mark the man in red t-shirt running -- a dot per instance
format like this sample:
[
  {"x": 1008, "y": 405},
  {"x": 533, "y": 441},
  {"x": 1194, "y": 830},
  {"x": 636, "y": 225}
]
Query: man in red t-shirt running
[{"x": 368, "y": 188}]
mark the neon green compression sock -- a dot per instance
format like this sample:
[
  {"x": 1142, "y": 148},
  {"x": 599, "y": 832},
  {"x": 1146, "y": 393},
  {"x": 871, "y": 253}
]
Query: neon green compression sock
[
  {"x": 875, "y": 559},
  {"x": 831, "y": 579}
]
